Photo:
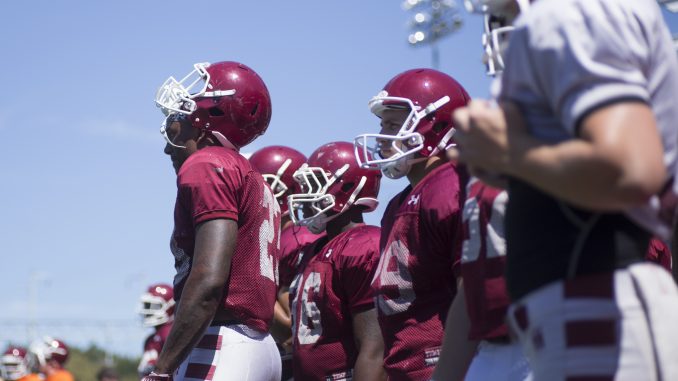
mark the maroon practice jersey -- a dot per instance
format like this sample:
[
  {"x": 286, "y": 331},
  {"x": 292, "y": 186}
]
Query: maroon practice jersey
[
  {"x": 415, "y": 282},
  {"x": 483, "y": 260},
  {"x": 292, "y": 241},
  {"x": 152, "y": 347},
  {"x": 217, "y": 182},
  {"x": 333, "y": 283},
  {"x": 659, "y": 253}
]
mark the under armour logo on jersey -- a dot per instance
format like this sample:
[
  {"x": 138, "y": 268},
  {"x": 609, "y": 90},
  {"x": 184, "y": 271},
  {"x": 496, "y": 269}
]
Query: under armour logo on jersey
[
  {"x": 219, "y": 169},
  {"x": 414, "y": 199},
  {"x": 328, "y": 253}
]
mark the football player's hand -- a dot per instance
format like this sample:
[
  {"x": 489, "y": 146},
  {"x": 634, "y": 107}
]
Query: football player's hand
[
  {"x": 484, "y": 137},
  {"x": 287, "y": 345},
  {"x": 157, "y": 377}
]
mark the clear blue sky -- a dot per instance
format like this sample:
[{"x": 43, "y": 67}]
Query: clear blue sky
[{"x": 87, "y": 194}]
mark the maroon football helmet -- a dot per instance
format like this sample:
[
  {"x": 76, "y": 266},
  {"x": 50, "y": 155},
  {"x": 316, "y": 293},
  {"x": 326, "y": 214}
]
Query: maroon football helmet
[
  {"x": 227, "y": 99},
  {"x": 14, "y": 363},
  {"x": 430, "y": 97},
  {"x": 49, "y": 349},
  {"x": 332, "y": 181},
  {"x": 157, "y": 305},
  {"x": 277, "y": 164}
]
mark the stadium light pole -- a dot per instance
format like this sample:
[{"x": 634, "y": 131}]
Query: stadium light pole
[{"x": 431, "y": 21}]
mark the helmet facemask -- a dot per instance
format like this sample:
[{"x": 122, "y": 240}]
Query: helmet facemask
[
  {"x": 13, "y": 367},
  {"x": 404, "y": 145},
  {"x": 275, "y": 181},
  {"x": 498, "y": 17},
  {"x": 45, "y": 350},
  {"x": 316, "y": 206},
  {"x": 179, "y": 96},
  {"x": 154, "y": 310},
  {"x": 495, "y": 40}
]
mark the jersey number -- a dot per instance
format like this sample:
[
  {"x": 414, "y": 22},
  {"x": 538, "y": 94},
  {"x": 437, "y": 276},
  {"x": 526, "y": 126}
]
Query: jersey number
[
  {"x": 495, "y": 246},
  {"x": 395, "y": 275},
  {"x": 267, "y": 233},
  {"x": 307, "y": 325}
]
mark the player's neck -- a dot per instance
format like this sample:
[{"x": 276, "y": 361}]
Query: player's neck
[
  {"x": 286, "y": 222},
  {"x": 420, "y": 170},
  {"x": 345, "y": 222}
]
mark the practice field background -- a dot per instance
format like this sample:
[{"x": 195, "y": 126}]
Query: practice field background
[{"x": 86, "y": 193}]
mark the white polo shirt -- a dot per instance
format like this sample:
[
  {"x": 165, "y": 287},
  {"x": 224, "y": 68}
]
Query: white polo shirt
[{"x": 567, "y": 58}]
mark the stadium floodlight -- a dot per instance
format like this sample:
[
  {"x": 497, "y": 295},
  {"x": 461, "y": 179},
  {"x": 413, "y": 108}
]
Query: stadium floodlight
[
  {"x": 409, "y": 4},
  {"x": 431, "y": 21},
  {"x": 671, "y": 5}
]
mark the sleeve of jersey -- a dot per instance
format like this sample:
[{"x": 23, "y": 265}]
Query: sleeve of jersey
[
  {"x": 581, "y": 59},
  {"x": 357, "y": 271},
  {"x": 210, "y": 192}
]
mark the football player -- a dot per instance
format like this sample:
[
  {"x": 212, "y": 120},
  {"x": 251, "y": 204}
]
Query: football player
[
  {"x": 50, "y": 355},
  {"x": 477, "y": 345},
  {"x": 14, "y": 365},
  {"x": 584, "y": 133},
  {"x": 336, "y": 334},
  {"x": 226, "y": 228},
  {"x": 277, "y": 165},
  {"x": 157, "y": 311},
  {"x": 107, "y": 374},
  {"x": 422, "y": 230}
]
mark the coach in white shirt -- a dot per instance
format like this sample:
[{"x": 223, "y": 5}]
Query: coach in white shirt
[{"x": 587, "y": 137}]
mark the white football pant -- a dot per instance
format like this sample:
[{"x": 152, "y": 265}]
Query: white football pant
[
  {"x": 617, "y": 326},
  {"x": 498, "y": 362},
  {"x": 232, "y": 353}
]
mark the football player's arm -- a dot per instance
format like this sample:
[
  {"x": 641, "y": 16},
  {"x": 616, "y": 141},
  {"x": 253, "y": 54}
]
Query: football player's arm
[
  {"x": 457, "y": 350},
  {"x": 147, "y": 363},
  {"x": 281, "y": 329},
  {"x": 214, "y": 245},
  {"x": 369, "y": 365},
  {"x": 615, "y": 163}
]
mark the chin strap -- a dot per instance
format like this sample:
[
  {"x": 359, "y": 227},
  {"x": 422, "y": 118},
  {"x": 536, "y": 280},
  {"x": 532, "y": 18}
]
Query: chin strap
[
  {"x": 223, "y": 141},
  {"x": 443, "y": 142}
]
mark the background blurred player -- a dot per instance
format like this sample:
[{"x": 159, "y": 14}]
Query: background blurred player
[
  {"x": 226, "y": 228},
  {"x": 157, "y": 311},
  {"x": 107, "y": 374},
  {"x": 336, "y": 334},
  {"x": 422, "y": 233},
  {"x": 14, "y": 365},
  {"x": 477, "y": 345},
  {"x": 277, "y": 165},
  {"x": 51, "y": 355},
  {"x": 590, "y": 167}
]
